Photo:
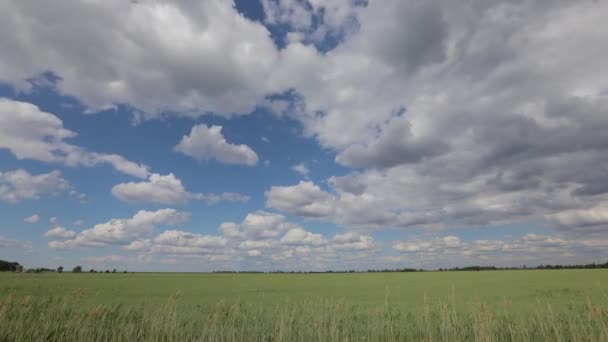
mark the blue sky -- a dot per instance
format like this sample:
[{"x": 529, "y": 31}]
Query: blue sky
[{"x": 306, "y": 135}]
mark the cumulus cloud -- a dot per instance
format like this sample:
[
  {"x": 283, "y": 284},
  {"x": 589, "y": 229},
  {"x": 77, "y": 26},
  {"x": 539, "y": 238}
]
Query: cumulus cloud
[
  {"x": 208, "y": 143},
  {"x": 353, "y": 210},
  {"x": 123, "y": 231},
  {"x": 19, "y": 185},
  {"x": 472, "y": 114},
  {"x": 352, "y": 241},
  {"x": 164, "y": 189},
  {"x": 168, "y": 189},
  {"x": 61, "y": 233},
  {"x": 32, "y": 219},
  {"x": 437, "y": 244},
  {"x": 592, "y": 220},
  {"x": 262, "y": 224},
  {"x": 206, "y": 58},
  {"x": 261, "y": 239},
  {"x": 298, "y": 236},
  {"x": 301, "y": 169},
  {"x": 179, "y": 242},
  {"x": 181, "y": 238},
  {"x": 394, "y": 146},
  {"x": 305, "y": 199},
  {"x": 312, "y": 21},
  {"x": 29, "y": 133},
  {"x": 453, "y": 117},
  {"x": 532, "y": 249}
]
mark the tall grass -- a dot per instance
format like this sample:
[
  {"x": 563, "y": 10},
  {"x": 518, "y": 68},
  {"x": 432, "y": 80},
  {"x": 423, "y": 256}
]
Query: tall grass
[{"x": 65, "y": 319}]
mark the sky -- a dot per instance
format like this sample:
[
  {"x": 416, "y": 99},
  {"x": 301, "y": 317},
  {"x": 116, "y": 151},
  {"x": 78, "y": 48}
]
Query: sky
[{"x": 205, "y": 135}]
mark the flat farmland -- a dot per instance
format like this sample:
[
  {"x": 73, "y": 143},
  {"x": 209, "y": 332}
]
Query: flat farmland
[{"x": 487, "y": 305}]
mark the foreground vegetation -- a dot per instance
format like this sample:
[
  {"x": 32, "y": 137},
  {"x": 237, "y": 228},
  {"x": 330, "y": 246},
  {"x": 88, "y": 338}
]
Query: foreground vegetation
[{"x": 566, "y": 305}]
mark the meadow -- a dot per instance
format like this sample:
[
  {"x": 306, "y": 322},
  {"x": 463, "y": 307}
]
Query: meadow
[{"x": 534, "y": 305}]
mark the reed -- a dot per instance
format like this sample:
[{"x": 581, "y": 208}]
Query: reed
[{"x": 25, "y": 318}]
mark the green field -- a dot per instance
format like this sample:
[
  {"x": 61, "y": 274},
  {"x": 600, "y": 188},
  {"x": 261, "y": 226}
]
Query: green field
[{"x": 492, "y": 305}]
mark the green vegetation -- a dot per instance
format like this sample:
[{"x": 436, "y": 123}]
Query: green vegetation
[{"x": 566, "y": 305}]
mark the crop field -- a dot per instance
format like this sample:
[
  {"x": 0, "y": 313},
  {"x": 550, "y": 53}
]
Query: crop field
[{"x": 557, "y": 305}]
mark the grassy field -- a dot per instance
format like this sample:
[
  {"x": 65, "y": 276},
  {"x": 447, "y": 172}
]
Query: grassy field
[{"x": 505, "y": 305}]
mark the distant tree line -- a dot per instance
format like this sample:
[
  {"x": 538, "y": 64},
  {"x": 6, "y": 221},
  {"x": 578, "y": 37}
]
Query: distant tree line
[
  {"x": 453, "y": 269},
  {"x": 7, "y": 266},
  {"x": 398, "y": 270}
]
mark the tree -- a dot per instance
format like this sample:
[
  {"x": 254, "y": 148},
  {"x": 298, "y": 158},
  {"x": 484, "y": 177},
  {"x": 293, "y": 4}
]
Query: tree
[
  {"x": 60, "y": 269},
  {"x": 19, "y": 269},
  {"x": 114, "y": 271},
  {"x": 77, "y": 269},
  {"x": 8, "y": 266}
]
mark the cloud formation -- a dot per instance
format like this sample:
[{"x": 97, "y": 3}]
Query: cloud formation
[
  {"x": 29, "y": 133},
  {"x": 302, "y": 169},
  {"x": 163, "y": 189},
  {"x": 19, "y": 185},
  {"x": 531, "y": 249},
  {"x": 448, "y": 115},
  {"x": 206, "y": 58},
  {"x": 32, "y": 219},
  {"x": 208, "y": 143},
  {"x": 61, "y": 233},
  {"x": 167, "y": 189},
  {"x": 121, "y": 231}
]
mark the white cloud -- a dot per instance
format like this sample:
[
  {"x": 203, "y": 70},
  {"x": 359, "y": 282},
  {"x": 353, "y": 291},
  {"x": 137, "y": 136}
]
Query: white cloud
[
  {"x": 53, "y": 220},
  {"x": 19, "y": 185},
  {"x": 472, "y": 114},
  {"x": 32, "y": 219},
  {"x": 352, "y": 241},
  {"x": 158, "y": 189},
  {"x": 207, "y": 143},
  {"x": 452, "y": 114},
  {"x": 262, "y": 224},
  {"x": 305, "y": 199},
  {"x": 167, "y": 189},
  {"x": 231, "y": 230},
  {"x": 313, "y": 20},
  {"x": 206, "y": 56},
  {"x": 590, "y": 220},
  {"x": 30, "y": 133},
  {"x": 299, "y": 236},
  {"x": 177, "y": 242},
  {"x": 61, "y": 233},
  {"x": 181, "y": 238},
  {"x": 261, "y": 241},
  {"x": 532, "y": 249},
  {"x": 123, "y": 231},
  {"x": 433, "y": 245},
  {"x": 301, "y": 169},
  {"x": 354, "y": 210}
]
